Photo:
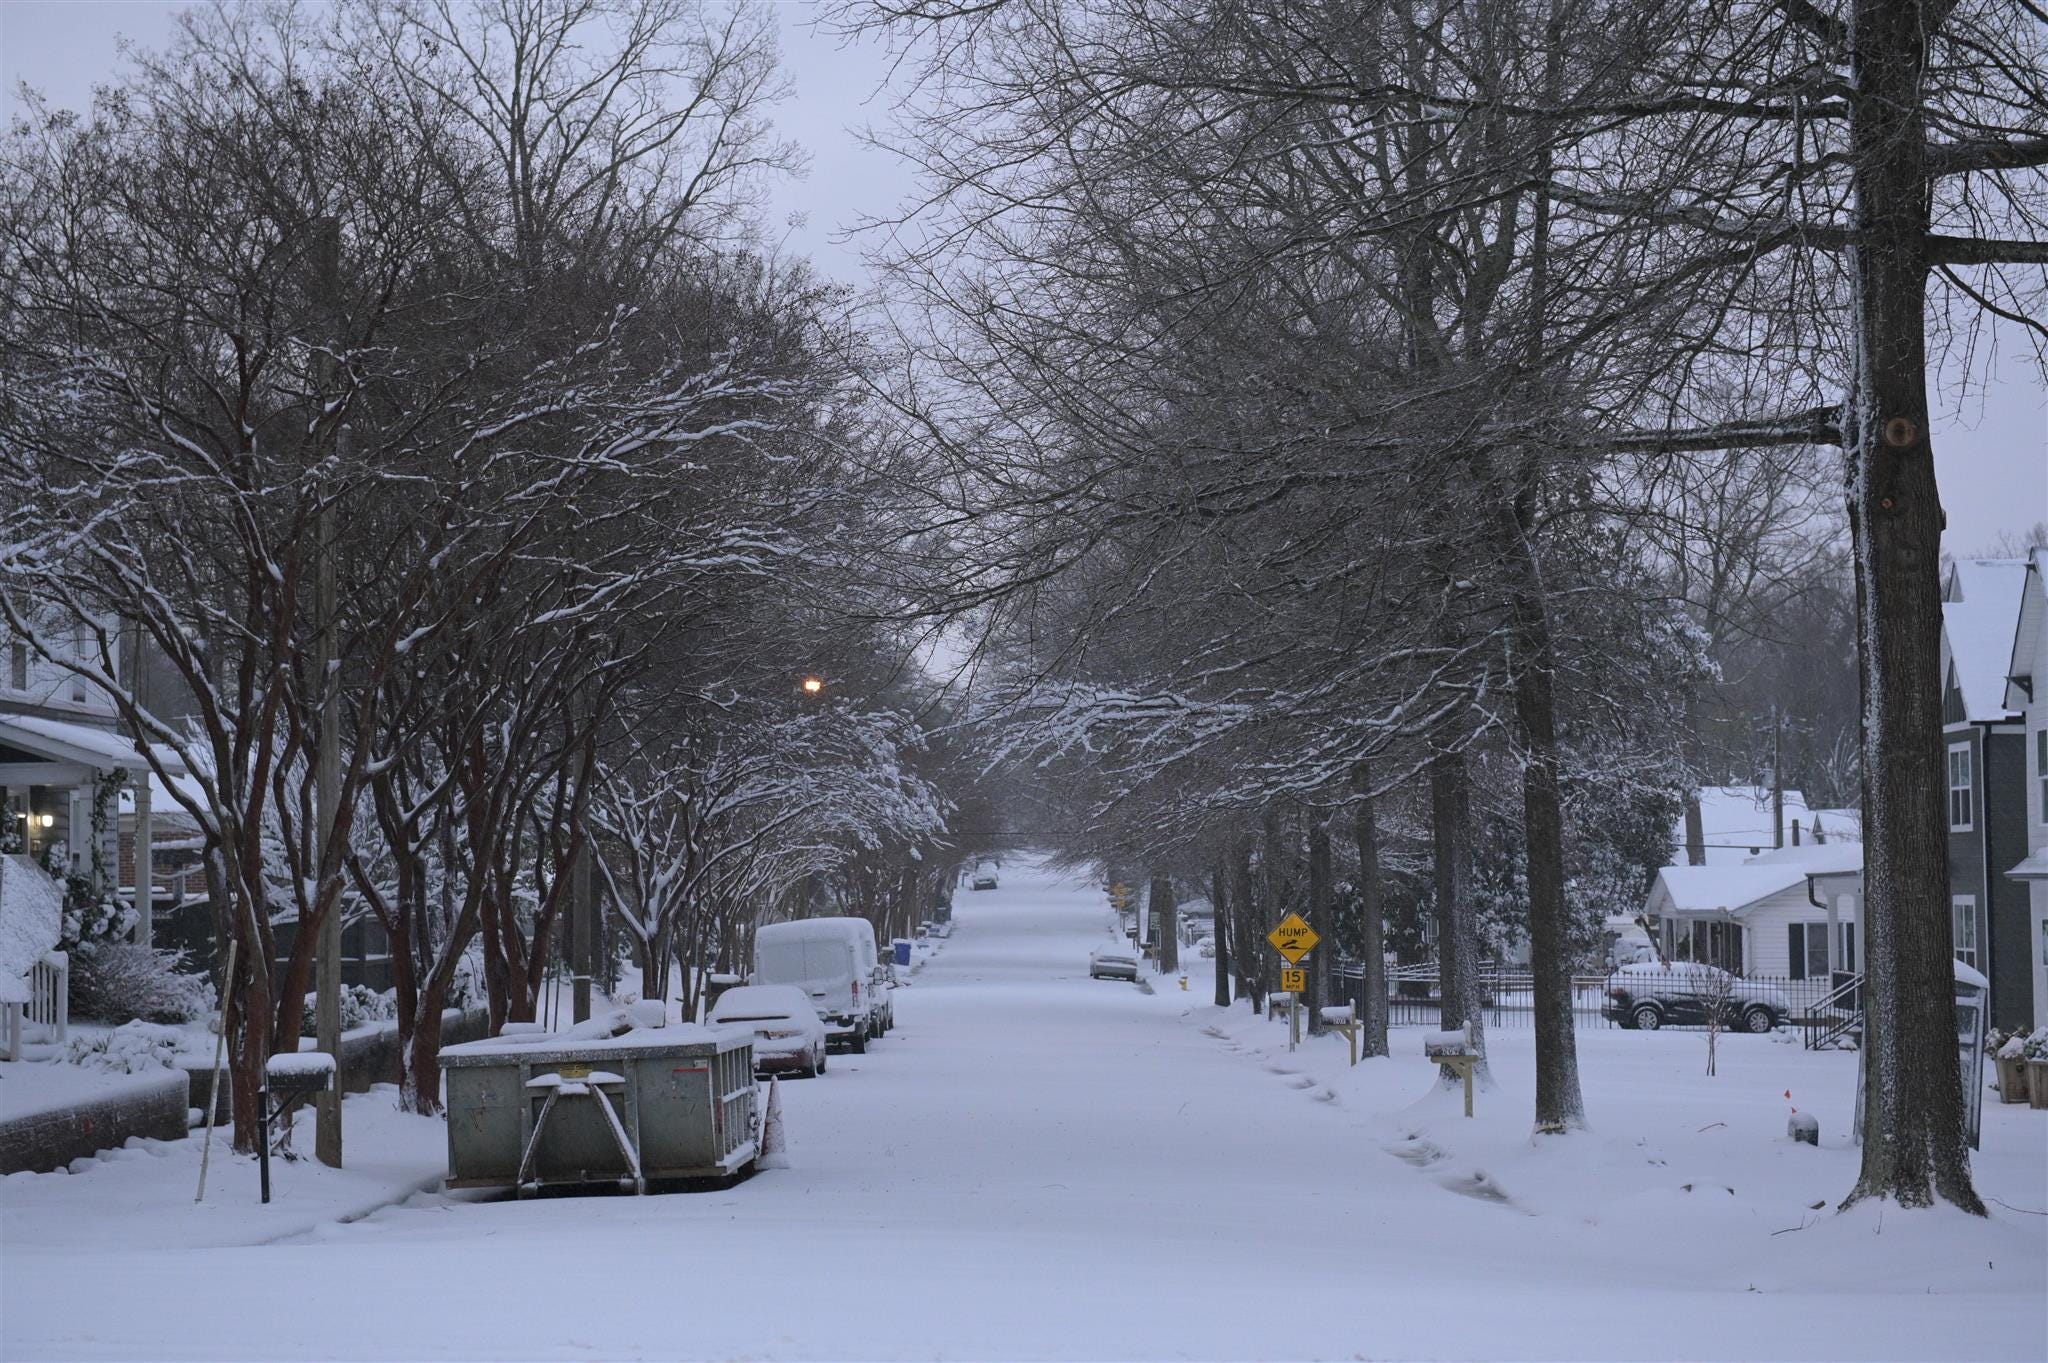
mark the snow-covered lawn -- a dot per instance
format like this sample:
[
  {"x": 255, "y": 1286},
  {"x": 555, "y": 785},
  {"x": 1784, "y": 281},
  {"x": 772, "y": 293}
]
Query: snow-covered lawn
[{"x": 1034, "y": 1164}]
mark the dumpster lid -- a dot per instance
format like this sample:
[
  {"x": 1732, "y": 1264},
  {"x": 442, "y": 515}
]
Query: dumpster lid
[{"x": 619, "y": 1031}]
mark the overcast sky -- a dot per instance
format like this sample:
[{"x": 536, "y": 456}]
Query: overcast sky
[{"x": 1992, "y": 455}]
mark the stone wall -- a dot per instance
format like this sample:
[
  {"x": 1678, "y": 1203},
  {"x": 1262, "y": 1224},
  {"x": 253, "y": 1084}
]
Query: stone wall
[{"x": 155, "y": 1107}]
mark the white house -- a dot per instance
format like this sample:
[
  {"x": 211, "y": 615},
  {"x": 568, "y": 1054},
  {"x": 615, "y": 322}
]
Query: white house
[
  {"x": 1789, "y": 913},
  {"x": 2027, "y": 692}
]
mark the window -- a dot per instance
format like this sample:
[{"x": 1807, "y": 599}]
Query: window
[
  {"x": 1848, "y": 956},
  {"x": 1806, "y": 953},
  {"x": 1962, "y": 804},
  {"x": 1966, "y": 929},
  {"x": 2041, "y": 768}
]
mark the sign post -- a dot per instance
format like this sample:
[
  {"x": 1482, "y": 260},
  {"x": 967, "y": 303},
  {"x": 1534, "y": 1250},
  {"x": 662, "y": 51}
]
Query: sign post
[{"x": 1293, "y": 938}]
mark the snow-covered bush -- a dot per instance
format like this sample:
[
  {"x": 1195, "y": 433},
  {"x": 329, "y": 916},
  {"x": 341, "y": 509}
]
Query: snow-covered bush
[
  {"x": 360, "y": 1006},
  {"x": 466, "y": 988},
  {"x": 132, "y": 1048},
  {"x": 117, "y": 981}
]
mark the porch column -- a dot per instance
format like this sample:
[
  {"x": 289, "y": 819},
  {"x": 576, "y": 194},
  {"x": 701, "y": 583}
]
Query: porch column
[
  {"x": 145, "y": 887},
  {"x": 1834, "y": 940}
]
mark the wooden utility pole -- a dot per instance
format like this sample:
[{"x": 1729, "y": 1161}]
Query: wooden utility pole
[
  {"x": 581, "y": 934},
  {"x": 1777, "y": 777}
]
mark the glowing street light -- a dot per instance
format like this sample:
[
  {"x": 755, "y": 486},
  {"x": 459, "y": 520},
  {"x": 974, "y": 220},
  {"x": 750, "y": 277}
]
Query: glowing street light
[{"x": 814, "y": 686}]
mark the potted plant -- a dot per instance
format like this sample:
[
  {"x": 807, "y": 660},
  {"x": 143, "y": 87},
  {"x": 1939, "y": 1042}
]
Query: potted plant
[
  {"x": 2037, "y": 1068},
  {"x": 2010, "y": 1054}
]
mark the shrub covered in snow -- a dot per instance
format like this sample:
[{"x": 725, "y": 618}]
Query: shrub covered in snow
[
  {"x": 117, "y": 981},
  {"x": 132, "y": 1048},
  {"x": 360, "y": 1006}
]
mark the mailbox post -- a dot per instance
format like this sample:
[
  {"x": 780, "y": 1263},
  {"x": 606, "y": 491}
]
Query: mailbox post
[{"x": 294, "y": 1078}]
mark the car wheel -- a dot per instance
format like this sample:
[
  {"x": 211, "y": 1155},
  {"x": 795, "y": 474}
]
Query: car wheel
[
  {"x": 1648, "y": 1017},
  {"x": 859, "y": 1044},
  {"x": 1758, "y": 1020},
  {"x": 823, "y": 1059}
]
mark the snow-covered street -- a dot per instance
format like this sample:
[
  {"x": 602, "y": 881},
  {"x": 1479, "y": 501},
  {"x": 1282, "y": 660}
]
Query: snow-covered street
[{"x": 1040, "y": 1165}]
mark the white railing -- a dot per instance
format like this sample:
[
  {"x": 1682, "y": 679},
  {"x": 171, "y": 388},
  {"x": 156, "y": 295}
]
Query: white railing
[{"x": 49, "y": 995}]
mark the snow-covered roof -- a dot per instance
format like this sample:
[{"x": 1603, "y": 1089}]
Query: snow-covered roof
[
  {"x": 2026, "y": 643},
  {"x": 2034, "y": 867},
  {"x": 1980, "y": 611},
  {"x": 1721, "y": 889},
  {"x": 1814, "y": 859},
  {"x": 1843, "y": 824},
  {"x": 31, "y": 920},
  {"x": 1737, "y": 823},
  {"x": 86, "y": 744}
]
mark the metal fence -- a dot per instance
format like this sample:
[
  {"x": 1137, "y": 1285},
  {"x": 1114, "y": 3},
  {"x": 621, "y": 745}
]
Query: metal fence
[{"x": 1815, "y": 1005}]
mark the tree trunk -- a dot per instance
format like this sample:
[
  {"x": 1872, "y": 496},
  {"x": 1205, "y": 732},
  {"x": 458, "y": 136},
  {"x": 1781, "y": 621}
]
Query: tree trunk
[
  {"x": 1915, "y": 1147},
  {"x": 1456, "y": 947},
  {"x": 1161, "y": 903},
  {"x": 1319, "y": 919},
  {"x": 1559, "y": 1104},
  {"x": 1219, "y": 903},
  {"x": 1245, "y": 904},
  {"x": 1365, "y": 829},
  {"x": 419, "y": 1083}
]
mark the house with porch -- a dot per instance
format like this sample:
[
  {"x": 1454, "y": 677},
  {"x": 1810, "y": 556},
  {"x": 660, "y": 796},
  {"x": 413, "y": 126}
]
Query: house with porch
[
  {"x": 64, "y": 771},
  {"x": 1984, "y": 739},
  {"x": 1789, "y": 913},
  {"x": 2026, "y": 693}
]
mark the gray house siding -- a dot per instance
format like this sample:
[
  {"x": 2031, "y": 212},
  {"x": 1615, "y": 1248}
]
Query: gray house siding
[{"x": 2003, "y": 786}]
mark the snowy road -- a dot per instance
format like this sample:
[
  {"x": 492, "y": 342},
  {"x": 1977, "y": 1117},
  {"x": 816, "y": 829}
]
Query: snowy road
[{"x": 1033, "y": 1165}]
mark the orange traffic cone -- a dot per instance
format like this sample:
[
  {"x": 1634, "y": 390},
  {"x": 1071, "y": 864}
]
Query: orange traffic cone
[{"x": 774, "y": 1147}]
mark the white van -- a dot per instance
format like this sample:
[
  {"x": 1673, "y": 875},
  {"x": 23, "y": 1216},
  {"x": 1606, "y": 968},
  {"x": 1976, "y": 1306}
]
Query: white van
[{"x": 834, "y": 961}]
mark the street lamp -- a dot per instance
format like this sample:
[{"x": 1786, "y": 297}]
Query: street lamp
[{"x": 814, "y": 686}]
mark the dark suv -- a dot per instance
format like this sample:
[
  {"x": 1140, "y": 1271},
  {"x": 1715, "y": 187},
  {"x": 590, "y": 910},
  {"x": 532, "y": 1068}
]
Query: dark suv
[{"x": 1651, "y": 994}]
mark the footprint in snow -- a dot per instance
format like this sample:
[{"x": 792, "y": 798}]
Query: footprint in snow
[
  {"x": 1301, "y": 1081},
  {"x": 1476, "y": 1184}
]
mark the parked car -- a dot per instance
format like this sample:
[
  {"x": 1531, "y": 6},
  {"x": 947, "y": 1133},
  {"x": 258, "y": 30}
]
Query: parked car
[
  {"x": 788, "y": 1034},
  {"x": 1206, "y": 948},
  {"x": 835, "y": 963},
  {"x": 984, "y": 880},
  {"x": 1112, "y": 963},
  {"x": 1650, "y": 994}
]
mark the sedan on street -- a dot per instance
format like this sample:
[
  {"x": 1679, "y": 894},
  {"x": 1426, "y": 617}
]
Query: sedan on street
[
  {"x": 788, "y": 1034},
  {"x": 1112, "y": 963}
]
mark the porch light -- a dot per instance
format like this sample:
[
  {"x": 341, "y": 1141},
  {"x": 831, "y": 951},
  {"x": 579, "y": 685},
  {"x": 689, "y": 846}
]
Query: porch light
[
  {"x": 47, "y": 820},
  {"x": 813, "y": 685}
]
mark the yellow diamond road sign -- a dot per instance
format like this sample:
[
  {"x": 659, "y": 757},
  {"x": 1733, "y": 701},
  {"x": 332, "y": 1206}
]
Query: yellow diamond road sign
[{"x": 1294, "y": 938}]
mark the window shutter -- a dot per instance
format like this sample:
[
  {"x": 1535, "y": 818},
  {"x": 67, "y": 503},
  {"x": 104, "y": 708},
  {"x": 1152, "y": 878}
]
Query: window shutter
[{"x": 1795, "y": 949}]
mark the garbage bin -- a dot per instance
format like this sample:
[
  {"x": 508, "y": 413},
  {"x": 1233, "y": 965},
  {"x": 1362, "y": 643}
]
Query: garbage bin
[
  {"x": 604, "y": 1102},
  {"x": 902, "y": 945}
]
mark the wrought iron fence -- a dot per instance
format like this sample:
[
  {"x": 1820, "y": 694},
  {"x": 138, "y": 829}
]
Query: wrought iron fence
[{"x": 1818, "y": 1006}]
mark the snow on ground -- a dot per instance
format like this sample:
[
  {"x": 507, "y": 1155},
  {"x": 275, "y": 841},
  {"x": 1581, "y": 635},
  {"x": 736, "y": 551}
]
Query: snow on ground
[{"x": 1038, "y": 1165}]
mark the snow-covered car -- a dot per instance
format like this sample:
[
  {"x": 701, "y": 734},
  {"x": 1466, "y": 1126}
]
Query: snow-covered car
[
  {"x": 1112, "y": 963},
  {"x": 788, "y": 1034},
  {"x": 984, "y": 880},
  {"x": 1206, "y": 948},
  {"x": 1650, "y": 994}
]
